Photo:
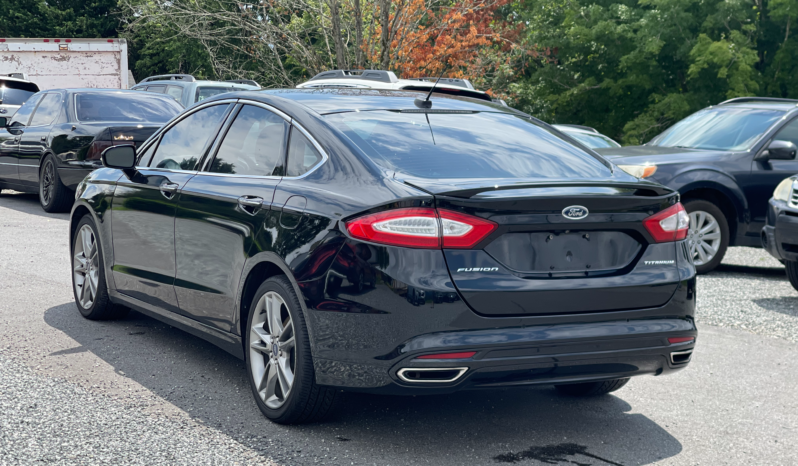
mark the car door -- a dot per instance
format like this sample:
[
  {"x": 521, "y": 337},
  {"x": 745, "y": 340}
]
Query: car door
[
  {"x": 33, "y": 141},
  {"x": 145, "y": 202},
  {"x": 222, "y": 208},
  {"x": 9, "y": 141},
  {"x": 767, "y": 174}
]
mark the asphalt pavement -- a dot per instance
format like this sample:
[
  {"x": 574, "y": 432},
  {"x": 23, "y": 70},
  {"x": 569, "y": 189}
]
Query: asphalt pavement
[{"x": 137, "y": 391}]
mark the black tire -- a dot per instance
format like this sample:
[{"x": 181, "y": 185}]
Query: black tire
[
  {"x": 101, "y": 308},
  {"x": 53, "y": 195},
  {"x": 696, "y": 205},
  {"x": 592, "y": 388},
  {"x": 792, "y": 273},
  {"x": 306, "y": 402}
]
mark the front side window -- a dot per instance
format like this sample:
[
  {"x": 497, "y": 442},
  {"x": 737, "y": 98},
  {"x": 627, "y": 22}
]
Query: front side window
[
  {"x": 181, "y": 146},
  {"x": 23, "y": 114},
  {"x": 449, "y": 144},
  {"x": 254, "y": 145},
  {"x": 789, "y": 132},
  {"x": 719, "y": 128},
  {"x": 302, "y": 155},
  {"x": 125, "y": 106},
  {"x": 204, "y": 92},
  {"x": 47, "y": 111}
]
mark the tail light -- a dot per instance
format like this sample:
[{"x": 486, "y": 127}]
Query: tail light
[
  {"x": 96, "y": 149},
  {"x": 668, "y": 225},
  {"x": 422, "y": 228}
]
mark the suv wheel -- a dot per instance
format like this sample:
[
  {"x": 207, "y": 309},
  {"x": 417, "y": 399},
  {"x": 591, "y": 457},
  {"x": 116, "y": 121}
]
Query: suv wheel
[
  {"x": 279, "y": 363},
  {"x": 708, "y": 236},
  {"x": 792, "y": 272},
  {"x": 53, "y": 195}
]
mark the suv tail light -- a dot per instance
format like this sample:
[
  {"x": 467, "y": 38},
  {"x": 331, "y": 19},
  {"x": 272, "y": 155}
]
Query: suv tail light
[
  {"x": 668, "y": 225},
  {"x": 421, "y": 228}
]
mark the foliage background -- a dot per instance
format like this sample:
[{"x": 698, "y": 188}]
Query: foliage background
[{"x": 629, "y": 68}]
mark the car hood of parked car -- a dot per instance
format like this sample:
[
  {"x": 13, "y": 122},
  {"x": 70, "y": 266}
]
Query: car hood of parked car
[{"x": 638, "y": 155}]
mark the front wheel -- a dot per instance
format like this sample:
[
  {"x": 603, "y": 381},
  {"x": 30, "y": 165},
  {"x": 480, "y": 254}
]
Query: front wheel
[
  {"x": 88, "y": 275},
  {"x": 708, "y": 236},
  {"x": 279, "y": 362},
  {"x": 592, "y": 388},
  {"x": 792, "y": 273},
  {"x": 53, "y": 195}
]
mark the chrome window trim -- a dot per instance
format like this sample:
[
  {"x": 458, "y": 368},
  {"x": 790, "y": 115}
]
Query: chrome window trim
[
  {"x": 293, "y": 123},
  {"x": 166, "y": 127}
]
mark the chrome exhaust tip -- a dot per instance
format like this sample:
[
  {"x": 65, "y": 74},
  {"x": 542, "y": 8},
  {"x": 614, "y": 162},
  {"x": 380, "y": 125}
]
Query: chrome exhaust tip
[
  {"x": 431, "y": 374},
  {"x": 681, "y": 357}
]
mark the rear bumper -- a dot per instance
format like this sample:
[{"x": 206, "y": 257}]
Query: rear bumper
[{"x": 780, "y": 234}]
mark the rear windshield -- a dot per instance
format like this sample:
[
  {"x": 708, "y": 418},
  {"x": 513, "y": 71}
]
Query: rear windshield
[
  {"x": 16, "y": 92},
  {"x": 205, "y": 92},
  {"x": 125, "y": 106},
  {"x": 719, "y": 128},
  {"x": 466, "y": 145}
]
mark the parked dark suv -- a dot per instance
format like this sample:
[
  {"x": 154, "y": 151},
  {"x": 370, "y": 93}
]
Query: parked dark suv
[
  {"x": 725, "y": 160},
  {"x": 358, "y": 239}
]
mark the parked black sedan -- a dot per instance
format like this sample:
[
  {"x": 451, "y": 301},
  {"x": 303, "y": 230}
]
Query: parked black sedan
[
  {"x": 487, "y": 261},
  {"x": 725, "y": 161},
  {"x": 55, "y": 139},
  {"x": 780, "y": 234}
]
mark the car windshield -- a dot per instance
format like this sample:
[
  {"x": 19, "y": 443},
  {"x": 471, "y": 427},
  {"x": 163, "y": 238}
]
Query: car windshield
[
  {"x": 125, "y": 106},
  {"x": 204, "y": 92},
  {"x": 720, "y": 128},
  {"x": 465, "y": 145},
  {"x": 593, "y": 141}
]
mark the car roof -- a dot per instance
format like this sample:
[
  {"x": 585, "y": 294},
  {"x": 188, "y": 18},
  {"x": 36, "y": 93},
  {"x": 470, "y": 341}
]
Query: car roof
[
  {"x": 338, "y": 100},
  {"x": 760, "y": 105},
  {"x": 199, "y": 82},
  {"x": 87, "y": 90}
]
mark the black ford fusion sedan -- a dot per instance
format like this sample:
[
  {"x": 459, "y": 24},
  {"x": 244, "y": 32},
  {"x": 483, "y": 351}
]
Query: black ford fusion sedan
[
  {"x": 780, "y": 233},
  {"x": 361, "y": 240}
]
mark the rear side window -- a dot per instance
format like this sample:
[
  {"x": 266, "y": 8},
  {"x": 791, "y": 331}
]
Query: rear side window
[
  {"x": 466, "y": 145},
  {"x": 125, "y": 106},
  {"x": 181, "y": 146},
  {"x": 302, "y": 155},
  {"x": 158, "y": 89},
  {"x": 47, "y": 110},
  {"x": 254, "y": 145},
  {"x": 204, "y": 92},
  {"x": 23, "y": 114}
]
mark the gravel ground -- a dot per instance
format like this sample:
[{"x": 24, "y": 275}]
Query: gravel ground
[
  {"x": 137, "y": 391},
  {"x": 49, "y": 421},
  {"x": 749, "y": 291}
]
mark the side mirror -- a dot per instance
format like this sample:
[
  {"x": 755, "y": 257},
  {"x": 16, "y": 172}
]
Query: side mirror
[
  {"x": 122, "y": 157},
  {"x": 779, "y": 150}
]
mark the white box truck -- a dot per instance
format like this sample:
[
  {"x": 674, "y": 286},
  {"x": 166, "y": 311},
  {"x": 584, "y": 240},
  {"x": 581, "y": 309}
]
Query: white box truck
[{"x": 67, "y": 63}]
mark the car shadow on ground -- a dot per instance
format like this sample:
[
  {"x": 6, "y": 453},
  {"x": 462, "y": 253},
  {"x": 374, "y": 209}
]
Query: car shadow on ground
[
  {"x": 26, "y": 203},
  {"x": 747, "y": 270},
  {"x": 787, "y": 305},
  {"x": 526, "y": 425}
]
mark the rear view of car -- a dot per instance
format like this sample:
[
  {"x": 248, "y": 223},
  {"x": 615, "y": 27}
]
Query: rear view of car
[{"x": 14, "y": 91}]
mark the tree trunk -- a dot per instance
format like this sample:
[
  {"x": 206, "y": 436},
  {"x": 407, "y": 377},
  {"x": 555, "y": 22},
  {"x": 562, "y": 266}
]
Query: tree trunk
[
  {"x": 385, "y": 42},
  {"x": 340, "y": 51},
  {"x": 358, "y": 35}
]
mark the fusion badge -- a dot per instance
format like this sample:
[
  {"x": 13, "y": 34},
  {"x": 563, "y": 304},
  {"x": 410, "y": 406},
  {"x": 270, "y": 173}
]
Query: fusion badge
[{"x": 575, "y": 212}]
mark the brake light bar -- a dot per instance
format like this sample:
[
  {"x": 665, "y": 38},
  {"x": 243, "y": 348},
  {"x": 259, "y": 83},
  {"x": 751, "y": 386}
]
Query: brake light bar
[
  {"x": 423, "y": 227},
  {"x": 668, "y": 225},
  {"x": 463, "y": 355}
]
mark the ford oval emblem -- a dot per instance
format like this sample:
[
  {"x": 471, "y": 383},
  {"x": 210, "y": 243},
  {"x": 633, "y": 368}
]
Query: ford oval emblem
[{"x": 575, "y": 212}]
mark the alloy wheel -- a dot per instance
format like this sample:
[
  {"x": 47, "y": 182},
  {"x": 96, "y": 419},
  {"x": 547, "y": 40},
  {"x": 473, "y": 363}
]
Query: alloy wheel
[
  {"x": 272, "y": 350},
  {"x": 703, "y": 237},
  {"x": 48, "y": 183},
  {"x": 86, "y": 266}
]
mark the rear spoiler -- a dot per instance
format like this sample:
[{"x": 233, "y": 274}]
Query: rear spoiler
[{"x": 470, "y": 189}]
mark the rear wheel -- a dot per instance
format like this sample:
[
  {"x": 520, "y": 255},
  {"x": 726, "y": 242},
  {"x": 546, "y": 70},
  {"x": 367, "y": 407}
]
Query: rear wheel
[
  {"x": 279, "y": 363},
  {"x": 708, "y": 236},
  {"x": 88, "y": 275},
  {"x": 792, "y": 272},
  {"x": 592, "y": 388},
  {"x": 53, "y": 195}
]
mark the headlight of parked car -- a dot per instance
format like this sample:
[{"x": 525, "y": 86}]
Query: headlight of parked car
[
  {"x": 783, "y": 190},
  {"x": 639, "y": 171}
]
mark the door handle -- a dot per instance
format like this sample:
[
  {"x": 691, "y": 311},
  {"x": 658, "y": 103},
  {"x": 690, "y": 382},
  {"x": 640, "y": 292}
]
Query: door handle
[
  {"x": 169, "y": 189},
  {"x": 16, "y": 139},
  {"x": 44, "y": 138},
  {"x": 250, "y": 204}
]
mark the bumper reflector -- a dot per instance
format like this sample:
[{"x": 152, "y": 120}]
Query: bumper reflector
[
  {"x": 674, "y": 340},
  {"x": 464, "y": 355}
]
